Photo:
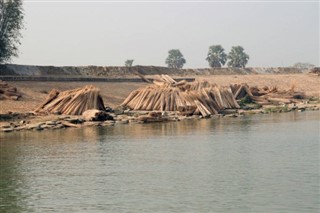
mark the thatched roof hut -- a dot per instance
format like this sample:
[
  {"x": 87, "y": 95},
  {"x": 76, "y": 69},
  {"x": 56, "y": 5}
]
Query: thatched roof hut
[{"x": 72, "y": 102}]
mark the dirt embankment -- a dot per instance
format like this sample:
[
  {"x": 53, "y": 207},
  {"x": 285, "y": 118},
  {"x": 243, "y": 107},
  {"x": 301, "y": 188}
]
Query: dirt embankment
[{"x": 129, "y": 72}]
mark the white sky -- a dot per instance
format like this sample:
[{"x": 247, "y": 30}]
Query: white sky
[{"x": 108, "y": 33}]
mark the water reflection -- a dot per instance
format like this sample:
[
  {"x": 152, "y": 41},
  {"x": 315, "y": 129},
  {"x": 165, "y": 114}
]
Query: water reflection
[
  {"x": 142, "y": 131},
  {"x": 11, "y": 198}
]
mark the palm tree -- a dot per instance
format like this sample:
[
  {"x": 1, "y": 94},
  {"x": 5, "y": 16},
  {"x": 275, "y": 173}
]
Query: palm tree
[{"x": 216, "y": 56}]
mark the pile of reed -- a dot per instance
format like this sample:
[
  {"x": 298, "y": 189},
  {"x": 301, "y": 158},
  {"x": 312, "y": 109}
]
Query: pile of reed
[
  {"x": 193, "y": 98},
  {"x": 266, "y": 95},
  {"x": 8, "y": 92},
  {"x": 72, "y": 102}
]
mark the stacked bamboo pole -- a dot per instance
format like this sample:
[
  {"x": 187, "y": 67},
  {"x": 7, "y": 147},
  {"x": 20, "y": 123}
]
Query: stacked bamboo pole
[
  {"x": 72, "y": 102},
  {"x": 189, "y": 98},
  {"x": 8, "y": 92},
  {"x": 266, "y": 95},
  {"x": 201, "y": 97}
]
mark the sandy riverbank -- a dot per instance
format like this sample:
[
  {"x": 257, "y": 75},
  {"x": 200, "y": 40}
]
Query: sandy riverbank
[{"x": 33, "y": 93}]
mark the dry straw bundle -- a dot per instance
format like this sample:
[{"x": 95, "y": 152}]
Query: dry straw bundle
[
  {"x": 189, "y": 98},
  {"x": 72, "y": 102}
]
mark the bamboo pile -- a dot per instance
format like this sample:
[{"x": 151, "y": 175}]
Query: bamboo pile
[
  {"x": 266, "y": 95},
  {"x": 72, "y": 102},
  {"x": 193, "y": 98},
  {"x": 8, "y": 92}
]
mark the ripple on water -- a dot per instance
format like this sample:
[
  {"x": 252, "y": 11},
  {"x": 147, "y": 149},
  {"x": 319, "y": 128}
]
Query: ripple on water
[{"x": 263, "y": 163}]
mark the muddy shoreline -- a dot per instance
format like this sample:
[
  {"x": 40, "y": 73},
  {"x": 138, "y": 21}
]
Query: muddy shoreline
[{"x": 31, "y": 122}]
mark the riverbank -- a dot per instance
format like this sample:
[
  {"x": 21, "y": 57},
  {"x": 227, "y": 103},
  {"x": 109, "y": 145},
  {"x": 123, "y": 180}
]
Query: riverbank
[
  {"x": 113, "y": 94},
  {"x": 18, "y": 115},
  {"x": 30, "y": 121}
]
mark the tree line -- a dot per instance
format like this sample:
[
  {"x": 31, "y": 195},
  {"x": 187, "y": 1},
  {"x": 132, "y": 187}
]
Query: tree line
[{"x": 216, "y": 57}]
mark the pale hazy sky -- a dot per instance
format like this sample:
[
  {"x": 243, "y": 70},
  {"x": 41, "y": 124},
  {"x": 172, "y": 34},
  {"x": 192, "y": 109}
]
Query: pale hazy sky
[{"x": 108, "y": 33}]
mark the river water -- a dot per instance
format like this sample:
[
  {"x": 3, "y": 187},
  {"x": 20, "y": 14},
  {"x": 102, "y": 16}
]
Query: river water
[{"x": 259, "y": 163}]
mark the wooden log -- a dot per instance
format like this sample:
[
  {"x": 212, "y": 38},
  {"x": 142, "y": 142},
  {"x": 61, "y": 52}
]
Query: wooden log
[
  {"x": 258, "y": 98},
  {"x": 143, "y": 77},
  {"x": 51, "y": 96},
  {"x": 203, "y": 110},
  {"x": 72, "y": 102},
  {"x": 3, "y": 84},
  {"x": 150, "y": 119},
  {"x": 279, "y": 100}
]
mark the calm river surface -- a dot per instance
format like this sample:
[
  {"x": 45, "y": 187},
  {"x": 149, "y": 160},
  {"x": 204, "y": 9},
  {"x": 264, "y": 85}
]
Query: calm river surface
[{"x": 260, "y": 163}]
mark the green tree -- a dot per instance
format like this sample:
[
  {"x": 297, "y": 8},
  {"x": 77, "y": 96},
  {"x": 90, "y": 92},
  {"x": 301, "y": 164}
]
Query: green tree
[
  {"x": 175, "y": 59},
  {"x": 237, "y": 57},
  {"x": 128, "y": 63},
  {"x": 216, "y": 56},
  {"x": 11, "y": 22}
]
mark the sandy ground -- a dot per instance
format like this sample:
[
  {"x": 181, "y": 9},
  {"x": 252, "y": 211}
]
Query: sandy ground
[
  {"x": 308, "y": 83},
  {"x": 114, "y": 93}
]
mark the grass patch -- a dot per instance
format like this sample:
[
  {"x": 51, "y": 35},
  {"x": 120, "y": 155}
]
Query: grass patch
[
  {"x": 245, "y": 100},
  {"x": 247, "y": 103},
  {"x": 277, "y": 109}
]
